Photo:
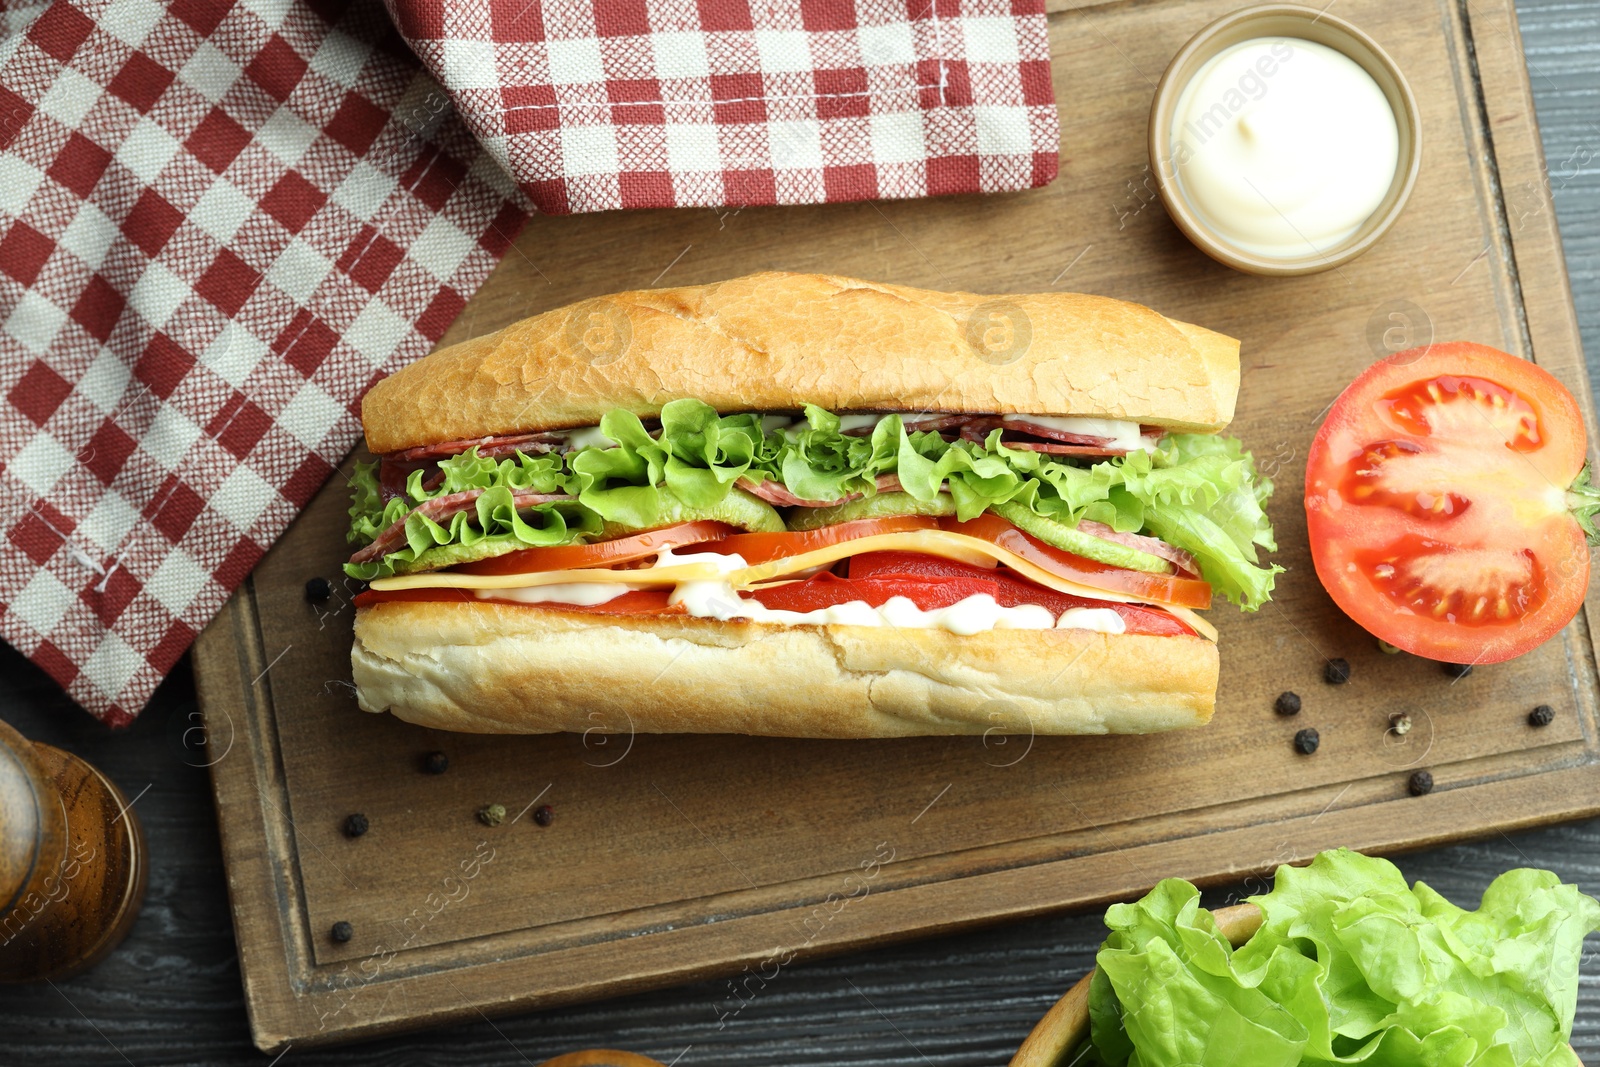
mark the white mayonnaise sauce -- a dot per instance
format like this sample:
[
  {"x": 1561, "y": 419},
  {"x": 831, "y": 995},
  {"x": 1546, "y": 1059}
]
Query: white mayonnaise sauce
[
  {"x": 1284, "y": 146},
  {"x": 1101, "y": 620},
  {"x": 587, "y": 437},
  {"x": 715, "y": 599}
]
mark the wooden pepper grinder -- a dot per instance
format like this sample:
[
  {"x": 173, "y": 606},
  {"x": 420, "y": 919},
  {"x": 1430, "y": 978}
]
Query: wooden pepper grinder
[{"x": 72, "y": 862}]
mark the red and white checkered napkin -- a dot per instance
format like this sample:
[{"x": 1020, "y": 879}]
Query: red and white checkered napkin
[
  {"x": 597, "y": 104},
  {"x": 220, "y": 220}
]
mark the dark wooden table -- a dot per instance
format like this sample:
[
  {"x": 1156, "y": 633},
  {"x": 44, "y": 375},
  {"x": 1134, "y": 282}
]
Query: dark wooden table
[{"x": 171, "y": 994}]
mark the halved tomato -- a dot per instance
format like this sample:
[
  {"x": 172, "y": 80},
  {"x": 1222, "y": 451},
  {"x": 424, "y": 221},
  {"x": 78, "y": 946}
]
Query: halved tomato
[
  {"x": 1439, "y": 503},
  {"x": 762, "y": 547},
  {"x": 1157, "y": 588},
  {"x": 601, "y": 553}
]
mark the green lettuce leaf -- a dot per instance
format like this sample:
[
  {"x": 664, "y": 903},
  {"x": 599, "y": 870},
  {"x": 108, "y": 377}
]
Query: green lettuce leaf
[
  {"x": 1350, "y": 966},
  {"x": 491, "y": 527},
  {"x": 1171, "y": 991},
  {"x": 697, "y": 457},
  {"x": 1199, "y": 492}
]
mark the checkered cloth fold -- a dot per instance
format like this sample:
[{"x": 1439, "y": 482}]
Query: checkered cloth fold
[
  {"x": 597, "y": 104},
  {"x": 220, "y": 220}
]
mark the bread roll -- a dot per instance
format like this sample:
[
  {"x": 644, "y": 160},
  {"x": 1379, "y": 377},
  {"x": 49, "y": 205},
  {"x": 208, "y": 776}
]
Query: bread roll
[
  {"x": 498, "y": 668},
  {"x": 775, "y": 341}
]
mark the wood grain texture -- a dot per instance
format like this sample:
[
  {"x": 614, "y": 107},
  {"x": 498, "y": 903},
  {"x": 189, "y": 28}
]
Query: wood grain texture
[
  {"x": 677, "y": 858},
  {"x": 172, "y": 994}
]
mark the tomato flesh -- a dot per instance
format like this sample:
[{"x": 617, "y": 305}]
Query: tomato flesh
[
  {"x": 1436, "y": 503},
  {"x": 1470, "y": 587},
  {"x": 825, "y": 590}
]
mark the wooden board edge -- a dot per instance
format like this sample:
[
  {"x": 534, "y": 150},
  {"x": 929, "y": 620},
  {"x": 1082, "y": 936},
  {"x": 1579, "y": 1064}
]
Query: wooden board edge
[
  {"x": 226, "y": 656},
  {"x": 278, "y": 1012},
  {"x": 1530, "y": 227},
  {"x": 652, "y": 961},
  {"x": 801, "y": 893}
]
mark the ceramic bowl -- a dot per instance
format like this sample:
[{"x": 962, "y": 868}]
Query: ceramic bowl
[{"x": 1305, "y": 23}]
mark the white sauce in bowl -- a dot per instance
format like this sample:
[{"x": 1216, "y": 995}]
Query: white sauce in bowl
[{"x": 1283, "y": 146}]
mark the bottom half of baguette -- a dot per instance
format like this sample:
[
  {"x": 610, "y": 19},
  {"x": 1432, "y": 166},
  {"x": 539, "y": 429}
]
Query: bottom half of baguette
[{"x": 495, "y": 668}]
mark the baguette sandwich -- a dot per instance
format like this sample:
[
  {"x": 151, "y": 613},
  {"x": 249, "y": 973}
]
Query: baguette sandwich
[{"x": 805, "y": 505}]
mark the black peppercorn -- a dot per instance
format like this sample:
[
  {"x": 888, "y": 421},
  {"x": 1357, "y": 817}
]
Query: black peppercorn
[
  {"x": 1457, "y": 670},
  {"x": 1306, "y": 741},
  {"x": 1337, "y": 672},
  {"x": 436, "y": 763},
  {"x": 1421, "y": 783},
  {"x": 544, "y": 815},
  {"x": 318, "y": 590},
  {"x": 342, "y": 931},
  {"x": 1543, "y": 715},
  {"x": 355, "y": 825},
  {"x": 1287, "y": 704}
]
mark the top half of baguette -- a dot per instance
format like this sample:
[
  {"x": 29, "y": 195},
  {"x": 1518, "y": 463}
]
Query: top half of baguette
[{"x": 774, "y": 342}]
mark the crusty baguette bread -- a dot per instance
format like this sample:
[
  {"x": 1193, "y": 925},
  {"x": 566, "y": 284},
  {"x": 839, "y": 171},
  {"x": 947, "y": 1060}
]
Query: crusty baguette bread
[
  {"x": 774, "y": 341},
  {"x": 497, "y": 668}
]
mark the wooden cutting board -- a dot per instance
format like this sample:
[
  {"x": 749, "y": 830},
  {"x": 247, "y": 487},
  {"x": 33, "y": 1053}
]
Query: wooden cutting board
[{"x": 670, "y": 858}]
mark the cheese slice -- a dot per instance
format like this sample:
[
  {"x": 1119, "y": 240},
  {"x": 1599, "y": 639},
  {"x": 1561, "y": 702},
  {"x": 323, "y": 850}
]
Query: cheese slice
[
  {"x": 643, "y": 577},
  {"x": 944, "y": 543}
]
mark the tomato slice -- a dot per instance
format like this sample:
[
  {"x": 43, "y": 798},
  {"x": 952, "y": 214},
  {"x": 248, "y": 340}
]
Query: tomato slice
[
  {"x": 1010, "y": 588},
  {"x": 763, "y": 547},
  {"x": 1437, "y": 503},
  {"x": 601, "y": 553},
  {"x": 825, "y": 590},
  {"x": 1158, "y": 588}
]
